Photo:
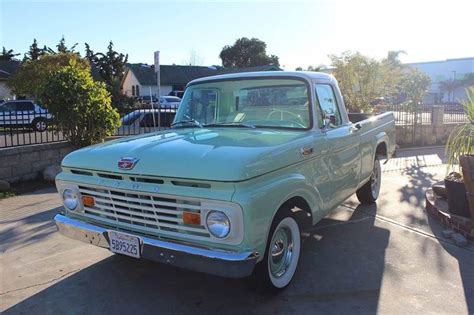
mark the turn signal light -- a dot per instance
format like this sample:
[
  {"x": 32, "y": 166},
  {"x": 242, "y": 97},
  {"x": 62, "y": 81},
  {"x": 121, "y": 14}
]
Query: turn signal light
[
  {"x": 88, "y": 201},
  {"x": 191, "y": 218}
]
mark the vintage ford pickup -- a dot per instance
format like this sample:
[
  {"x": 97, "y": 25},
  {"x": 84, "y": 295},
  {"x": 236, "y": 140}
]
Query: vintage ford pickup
[{"x": 251, "y": 160}]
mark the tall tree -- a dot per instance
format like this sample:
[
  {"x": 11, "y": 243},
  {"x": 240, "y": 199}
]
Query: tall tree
[
  {"x": 449, "y": 86},
  {"x": 90, "y": 55},
  {"x": 34, "y": 53},
  {"x": 247, "y": 53},
  {"x": 8, "y": 55},
  {"x": 62, "y": 48},
  {"x": 111, "y": 65},
  {"x": 362, "y": 79},
  {"x": 413, "y": 87}
]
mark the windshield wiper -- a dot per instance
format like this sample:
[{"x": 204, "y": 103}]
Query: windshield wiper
[
  {"x": 230, "y": 124},
  {"x": 193, "y": 122}
]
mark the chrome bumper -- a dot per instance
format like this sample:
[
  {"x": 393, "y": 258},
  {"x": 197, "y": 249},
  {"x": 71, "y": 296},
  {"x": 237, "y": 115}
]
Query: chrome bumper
[{"x": 216, "y": 262}]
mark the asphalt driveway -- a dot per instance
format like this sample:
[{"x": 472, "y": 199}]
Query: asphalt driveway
[{"x": 384, "y": 258}]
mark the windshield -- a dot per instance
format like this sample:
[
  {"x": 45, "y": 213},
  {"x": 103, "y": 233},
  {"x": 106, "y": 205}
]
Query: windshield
[{"x": 257, "y": 102}]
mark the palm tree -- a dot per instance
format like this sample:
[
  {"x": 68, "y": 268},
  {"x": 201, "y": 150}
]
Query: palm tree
[
  {"x": 7, "y": 55},
  {"x": 449, "y": 86}
]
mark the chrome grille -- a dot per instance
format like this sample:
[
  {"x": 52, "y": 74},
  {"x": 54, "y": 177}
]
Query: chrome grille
[{"x": 147, "y": 213}]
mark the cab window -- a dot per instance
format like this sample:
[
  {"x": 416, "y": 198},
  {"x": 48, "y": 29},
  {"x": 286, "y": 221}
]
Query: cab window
[
  {"x": 8, "y": 107},
  {"x": 328, "y": 104}
]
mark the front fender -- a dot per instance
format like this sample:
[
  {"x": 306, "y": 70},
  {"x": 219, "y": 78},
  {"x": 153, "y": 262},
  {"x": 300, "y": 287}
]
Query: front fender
[{"x": 261, "y": 198}]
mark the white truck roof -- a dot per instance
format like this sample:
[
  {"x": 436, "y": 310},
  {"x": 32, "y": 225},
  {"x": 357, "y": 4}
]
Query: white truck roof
[{"x": 308, "y": 75}]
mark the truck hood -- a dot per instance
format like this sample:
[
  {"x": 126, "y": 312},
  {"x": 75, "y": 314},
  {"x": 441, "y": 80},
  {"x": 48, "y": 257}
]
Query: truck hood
[{"x": 217, "y": 154}]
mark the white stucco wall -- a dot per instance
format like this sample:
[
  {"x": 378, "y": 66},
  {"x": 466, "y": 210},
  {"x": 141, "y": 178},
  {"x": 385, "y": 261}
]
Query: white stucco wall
[
  {"x": 130, "y": 80},
  {"x": 5, "y": 92},
  {"x": 446, "y": 70}
]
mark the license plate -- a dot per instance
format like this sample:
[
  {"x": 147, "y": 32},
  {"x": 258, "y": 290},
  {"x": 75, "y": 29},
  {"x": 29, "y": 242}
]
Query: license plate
[{"x": 124, "y": 244}]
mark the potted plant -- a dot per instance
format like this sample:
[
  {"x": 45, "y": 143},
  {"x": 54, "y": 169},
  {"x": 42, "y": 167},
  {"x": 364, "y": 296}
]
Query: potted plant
[{"x": 460, "y": 150}]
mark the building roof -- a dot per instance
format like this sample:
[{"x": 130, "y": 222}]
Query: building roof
[
  {"x": 7, "y": 68},
  {"x": 441, "y": 61},
  {"x": 170, "y": 74},
  {"x": 182, "y": 75}
]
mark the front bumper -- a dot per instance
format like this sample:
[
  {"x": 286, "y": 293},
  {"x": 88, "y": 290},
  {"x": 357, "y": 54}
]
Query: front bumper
[{"x": 216, "y": 262}]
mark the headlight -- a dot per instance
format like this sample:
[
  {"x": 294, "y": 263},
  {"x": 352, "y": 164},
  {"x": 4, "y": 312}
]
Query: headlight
[
  {"x": 70, "y": 199},
  {"x": 218, "y": 224}
]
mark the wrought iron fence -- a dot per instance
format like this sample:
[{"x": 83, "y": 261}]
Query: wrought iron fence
[
  {"x": 409, "y": 115},
  {"x": 454, "y": 114},
  {"x": 18, "y": 128}
]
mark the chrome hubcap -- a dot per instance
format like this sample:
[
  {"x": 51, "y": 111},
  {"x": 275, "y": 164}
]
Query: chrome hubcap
[
  {"x": 281, "y": 252},
  {"x": 40, "y": 125}
]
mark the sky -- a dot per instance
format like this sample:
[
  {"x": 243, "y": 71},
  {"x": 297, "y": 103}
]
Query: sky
[{"x": 300, "y": 33}]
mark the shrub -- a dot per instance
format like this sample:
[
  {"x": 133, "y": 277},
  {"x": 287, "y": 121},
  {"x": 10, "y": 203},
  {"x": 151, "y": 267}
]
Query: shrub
[
  {"x": 33, "y": 74},
  {"x": 80, "y": 106}
]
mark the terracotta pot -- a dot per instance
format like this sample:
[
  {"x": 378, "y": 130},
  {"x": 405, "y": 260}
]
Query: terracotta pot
[{"x": 467, "y": 164}]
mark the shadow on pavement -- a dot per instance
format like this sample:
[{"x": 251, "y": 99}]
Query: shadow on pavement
[
  {"x": 27, "y": 229},
  {"x": 464, "y": 258},
  {"x": 341, "y": 270}
]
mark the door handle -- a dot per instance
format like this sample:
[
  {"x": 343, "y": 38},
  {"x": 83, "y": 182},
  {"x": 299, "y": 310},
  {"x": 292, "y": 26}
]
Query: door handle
[{"x": 356, "y": 127}]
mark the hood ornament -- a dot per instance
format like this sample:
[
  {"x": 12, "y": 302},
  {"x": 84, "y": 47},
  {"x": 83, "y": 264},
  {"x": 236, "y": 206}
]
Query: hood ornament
[{"x": 127, "y": 163}]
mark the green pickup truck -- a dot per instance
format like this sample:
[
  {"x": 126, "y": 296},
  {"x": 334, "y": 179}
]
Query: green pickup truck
[{"x": 250, "y": 161}]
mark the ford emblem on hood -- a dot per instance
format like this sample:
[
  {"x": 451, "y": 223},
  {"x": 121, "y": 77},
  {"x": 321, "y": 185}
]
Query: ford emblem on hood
[{"x": 127, "y": 163}]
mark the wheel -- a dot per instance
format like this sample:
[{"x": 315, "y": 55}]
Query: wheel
[
  {"x": 40, "y": 124},
  {"x": 370, "y": 191},
  {"x": 279, "y": 263}
]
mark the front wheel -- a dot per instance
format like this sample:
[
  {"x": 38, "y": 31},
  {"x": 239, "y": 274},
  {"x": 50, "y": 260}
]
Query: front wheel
[
  {"x": 370, "y": 191},
  {"x": 40, "y": 124},
  {"x": 278, "y": 266}
]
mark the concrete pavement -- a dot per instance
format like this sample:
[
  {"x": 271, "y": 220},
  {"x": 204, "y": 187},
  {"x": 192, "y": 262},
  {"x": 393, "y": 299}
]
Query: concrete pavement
[{"x": 385, "y": 258}]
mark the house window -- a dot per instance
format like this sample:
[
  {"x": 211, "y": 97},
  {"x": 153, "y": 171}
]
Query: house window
[
  {"x": 133, "y": 90},
  {"x": 137, "y": 89}
]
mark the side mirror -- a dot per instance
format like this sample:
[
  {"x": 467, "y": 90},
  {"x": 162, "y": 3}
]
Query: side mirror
[{"x": 329, "y": 121}]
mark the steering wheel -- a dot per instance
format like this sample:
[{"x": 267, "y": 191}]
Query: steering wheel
[{"x": 300, "y": 122}]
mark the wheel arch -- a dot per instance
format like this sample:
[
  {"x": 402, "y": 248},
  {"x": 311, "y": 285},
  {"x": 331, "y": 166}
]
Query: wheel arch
[{"x": 381, "y": 146}]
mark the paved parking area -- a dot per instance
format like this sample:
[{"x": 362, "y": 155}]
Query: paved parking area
[{"x": 385, "y": 258}]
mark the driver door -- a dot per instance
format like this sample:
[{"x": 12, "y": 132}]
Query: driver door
[{"x": 343, "y": 155}]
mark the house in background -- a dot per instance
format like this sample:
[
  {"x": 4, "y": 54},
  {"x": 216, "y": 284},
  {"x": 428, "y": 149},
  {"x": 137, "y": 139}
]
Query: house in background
[
  {"x": 140, "y": 79},
  {"x": 445, "y": 70},
  {"x": 7, "y": 69}
]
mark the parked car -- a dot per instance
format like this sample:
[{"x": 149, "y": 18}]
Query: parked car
[
  {"x": 140, "y": 121},
  {"x": 250, "y": 161},
  {"x": 147, "y": 99},
  {"x": 24, "y": 113},
  {"x": 179, "y": 94},
  {"x": 170, "y": 101}
]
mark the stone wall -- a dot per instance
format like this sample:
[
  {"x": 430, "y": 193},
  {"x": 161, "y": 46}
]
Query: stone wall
[
  {"x": 424, "y": 135},
  {"x": 27, "y": 162}
]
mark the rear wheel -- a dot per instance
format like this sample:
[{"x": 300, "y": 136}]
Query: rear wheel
[
  {"x": 40, "y": 124},
  {"x": 279, "y": 263},
  {"x": 370, "y": 191}
]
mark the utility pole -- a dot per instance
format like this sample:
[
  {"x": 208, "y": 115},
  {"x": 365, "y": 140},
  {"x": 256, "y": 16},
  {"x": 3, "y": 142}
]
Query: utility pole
[{"x": 157, "y": 71}]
